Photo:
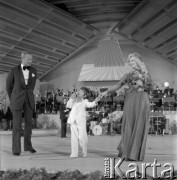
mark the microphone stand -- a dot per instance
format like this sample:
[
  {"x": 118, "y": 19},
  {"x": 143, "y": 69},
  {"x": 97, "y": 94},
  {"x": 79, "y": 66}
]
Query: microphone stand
[
  {"x": 45, "y": 110},
  {"x": 53, "y": 101}
]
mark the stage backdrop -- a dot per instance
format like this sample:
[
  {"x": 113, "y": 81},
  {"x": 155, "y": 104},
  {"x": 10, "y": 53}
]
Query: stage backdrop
[{"x": 66, "y": 76}]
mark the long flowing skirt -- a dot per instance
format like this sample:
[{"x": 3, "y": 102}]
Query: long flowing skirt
[{"x": 135, "y": 125}]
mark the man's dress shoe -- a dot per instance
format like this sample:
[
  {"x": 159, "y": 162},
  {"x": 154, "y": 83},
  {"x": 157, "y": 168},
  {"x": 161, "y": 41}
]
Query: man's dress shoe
[{"x": 16, "y": 154}]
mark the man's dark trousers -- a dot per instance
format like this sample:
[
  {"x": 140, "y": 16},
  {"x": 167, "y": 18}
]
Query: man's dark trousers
[{"x": 17, "y": 125}]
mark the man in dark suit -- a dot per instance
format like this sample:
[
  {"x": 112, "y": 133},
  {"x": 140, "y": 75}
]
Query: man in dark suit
[
  {"x": 20, "y": 85},
  {"x": 64, "y": 111},
  {"x": 1, "y": 113}
]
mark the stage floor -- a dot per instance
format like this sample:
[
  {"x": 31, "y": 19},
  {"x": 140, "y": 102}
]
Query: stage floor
[{"x": 53, "y": 152}]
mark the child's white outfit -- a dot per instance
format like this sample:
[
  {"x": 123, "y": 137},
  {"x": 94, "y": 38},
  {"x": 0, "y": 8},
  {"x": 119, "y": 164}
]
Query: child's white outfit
[{"x": 77, "y": 121}]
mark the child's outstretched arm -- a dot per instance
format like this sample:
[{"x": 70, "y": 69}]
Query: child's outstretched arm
[{"x": 94, "y": 103}]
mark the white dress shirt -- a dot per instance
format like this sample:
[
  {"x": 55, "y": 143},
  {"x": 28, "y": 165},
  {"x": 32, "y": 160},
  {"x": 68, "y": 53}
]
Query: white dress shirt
[{"x": 25, "y": 74}]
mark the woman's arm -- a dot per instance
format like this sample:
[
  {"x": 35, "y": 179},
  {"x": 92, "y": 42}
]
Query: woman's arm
[
  {"x": 117, "y": 86},
  {"x": 90, "y": 104}
]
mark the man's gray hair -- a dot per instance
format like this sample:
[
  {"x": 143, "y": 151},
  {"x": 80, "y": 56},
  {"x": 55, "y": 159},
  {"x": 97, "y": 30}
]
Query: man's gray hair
[{"x": 24, "y": 53}]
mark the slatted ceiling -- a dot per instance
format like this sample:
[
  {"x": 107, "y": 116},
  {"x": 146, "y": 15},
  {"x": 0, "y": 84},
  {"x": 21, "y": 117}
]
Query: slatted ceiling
[
  {"x": 174, "y": 56},
  {"x": 5, "y": 66},
  {"x": 143, "y": 15},
  {"x": 53, "y": 35},
  {"x": 103, "y": 6},
  {"x": 70, "y": 45},
  {"x": 114, "y": 16},
  {"x": 18, "y": 16},
  {"x": 7, "y": 40},
  {"x": 166, "y": 43},
  {"x": 146, "y": 31},
  {"x": 5, "y": 45},
  {"x": 11, "y": 24},
  {"x": 35, "y": 47},
  {"x": 3, "y": 49},
  {"x": 11, "y": 61},
  {"x": 172, "y": 12},
  {"x": 161, "y": 37},
  {"x": 46, "y": 28},
  {"x": 37, "y": 44},
  {"x": 48, "y": 42},
  {"x": 97, "y": 5},
  {"x": 62, "y": 52},
  {"x": 158, "y": 31},
  {"x": 29, "y": 7},
  {"x": 55, "y": 26},
  {"x": 9, "y": 35},
  {"x": 138, "y": 20},
  {"x": 162, "y": 4},
  {"x": 13, "y": 30},
  {"x": 168, "y": 27},
  {"x": 165, "y": 50},
  {"x": 171, "y": 53},
  {"x": 99, "y": 9},
  {"x": 157, "y": 22},
  {"x": 35, "y": 26},
  {"x": 70, "y": 18},
  {"x": 69, "y": 26}
]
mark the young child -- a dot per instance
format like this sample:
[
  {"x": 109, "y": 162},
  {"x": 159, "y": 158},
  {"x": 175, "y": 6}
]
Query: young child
[{"x": 77, "y": 120}]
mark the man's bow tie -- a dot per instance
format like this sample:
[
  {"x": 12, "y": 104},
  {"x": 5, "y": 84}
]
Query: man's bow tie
[{"x": 26, "y": 67}]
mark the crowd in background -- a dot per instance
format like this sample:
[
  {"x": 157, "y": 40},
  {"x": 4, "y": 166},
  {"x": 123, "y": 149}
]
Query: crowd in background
[{"x": 51, "y": 102}]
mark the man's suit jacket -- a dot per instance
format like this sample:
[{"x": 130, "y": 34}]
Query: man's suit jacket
[
  {"x": 62, "y": 111},
  {"x": 17, "y": 90},
  {"x": 1, "y": 114}
]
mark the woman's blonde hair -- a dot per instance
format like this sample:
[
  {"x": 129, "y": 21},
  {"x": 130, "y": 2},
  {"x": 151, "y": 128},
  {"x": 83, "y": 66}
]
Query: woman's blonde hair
[{"x": 139, "y": 62}]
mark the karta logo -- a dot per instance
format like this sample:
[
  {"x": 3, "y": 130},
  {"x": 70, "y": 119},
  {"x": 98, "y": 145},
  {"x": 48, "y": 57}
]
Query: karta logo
[{"x": 113, "y": 168}]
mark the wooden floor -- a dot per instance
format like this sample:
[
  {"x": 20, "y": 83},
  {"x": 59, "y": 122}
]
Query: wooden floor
[{"x": 53, "y": 152}]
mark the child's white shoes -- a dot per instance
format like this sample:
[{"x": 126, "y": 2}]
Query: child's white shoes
[
  {"x": 72, "y": 157},
  {"x": 84, "y": 155}
]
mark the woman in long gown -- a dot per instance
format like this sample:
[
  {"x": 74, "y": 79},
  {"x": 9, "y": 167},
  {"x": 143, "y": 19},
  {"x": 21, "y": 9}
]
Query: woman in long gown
[{"x": 136, "y": 112}]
